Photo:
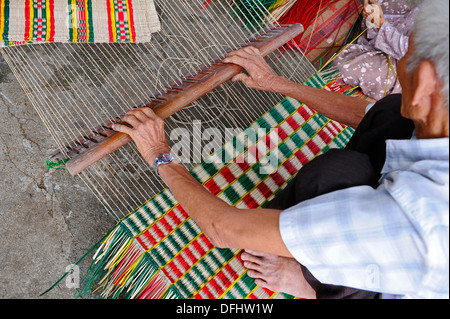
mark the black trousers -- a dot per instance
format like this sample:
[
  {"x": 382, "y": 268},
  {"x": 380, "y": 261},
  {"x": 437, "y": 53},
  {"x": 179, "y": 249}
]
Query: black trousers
[{"x": 360, "y": 163}]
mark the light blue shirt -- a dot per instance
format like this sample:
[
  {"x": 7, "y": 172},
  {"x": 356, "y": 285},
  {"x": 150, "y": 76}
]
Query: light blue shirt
[{"x": 393, "y": 239}]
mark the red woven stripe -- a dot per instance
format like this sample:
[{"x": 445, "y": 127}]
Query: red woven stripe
[
  {"x": 304, "y": 113},
  {"x": 266, "y": 191},
  {"x": 292, "y": 123},
  {"x": 250, "y": 201},
  {"x": 212, "y": 187},
  {"x": 242, "y": 163},
  {"x": 290, "y": 167},
  {"x": 131, "y": 23},
  {"x": 52, "y": 20},
  {"x": 228, "y": 175},
  {"x": 313, "y": 147},
  {"x": 278, "y": 179},
  {"x": 325, "y": 137},
  {"x": 301, "y": 157}
]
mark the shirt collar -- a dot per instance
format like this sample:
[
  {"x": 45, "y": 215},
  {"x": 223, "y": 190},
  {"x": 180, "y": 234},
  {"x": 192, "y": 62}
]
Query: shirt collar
[{"x": 403, "y": 153}]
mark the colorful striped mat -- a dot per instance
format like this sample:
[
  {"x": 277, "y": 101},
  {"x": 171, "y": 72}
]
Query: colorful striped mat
[
  {"x": 38, "y": 21},
  {"x": 157, "y": 251}
]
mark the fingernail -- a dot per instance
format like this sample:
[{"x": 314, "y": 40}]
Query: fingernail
[{"x": 113, "y": 127}]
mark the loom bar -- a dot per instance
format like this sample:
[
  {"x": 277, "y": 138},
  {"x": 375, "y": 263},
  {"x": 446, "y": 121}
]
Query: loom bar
[{"x": 193, "y": 88}]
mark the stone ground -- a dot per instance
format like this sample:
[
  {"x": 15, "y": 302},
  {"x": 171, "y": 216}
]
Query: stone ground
[{"x": 48, "y": 219}]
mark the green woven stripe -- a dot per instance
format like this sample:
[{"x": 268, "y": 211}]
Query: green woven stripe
[
  {"x": 242, "y": 288},
  {"x": 148, "y": 213},
  {"x": 6, "y": 22}
]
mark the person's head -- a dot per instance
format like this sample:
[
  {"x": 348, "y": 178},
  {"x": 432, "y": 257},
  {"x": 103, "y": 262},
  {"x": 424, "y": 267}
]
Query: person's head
[{"x": 424, "y": 71}]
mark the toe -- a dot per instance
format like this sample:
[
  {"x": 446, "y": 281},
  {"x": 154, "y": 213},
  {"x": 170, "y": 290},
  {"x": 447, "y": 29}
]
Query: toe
[
  {"x": 254, "y": 274},
  {"x": 250, "y": 257},
  {"x": 262, "y": 283},
  {"x": 255, "y": 253},
  {"x": 252, "y": 266}
]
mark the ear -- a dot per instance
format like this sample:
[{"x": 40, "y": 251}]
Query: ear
[{"x": 426, "y": 85}]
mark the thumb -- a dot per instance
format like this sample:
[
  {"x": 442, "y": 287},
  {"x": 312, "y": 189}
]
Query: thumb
[{"x": 241, "y": 77}]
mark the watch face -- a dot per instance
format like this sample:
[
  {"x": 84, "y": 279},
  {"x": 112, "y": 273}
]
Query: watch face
[{"x": 166, "y": 158}]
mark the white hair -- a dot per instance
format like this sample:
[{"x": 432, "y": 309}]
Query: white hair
[{"x": 431, "y": 40}]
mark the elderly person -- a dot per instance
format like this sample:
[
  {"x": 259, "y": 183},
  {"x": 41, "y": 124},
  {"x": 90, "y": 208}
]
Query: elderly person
[{"x": 378, "y": 221}]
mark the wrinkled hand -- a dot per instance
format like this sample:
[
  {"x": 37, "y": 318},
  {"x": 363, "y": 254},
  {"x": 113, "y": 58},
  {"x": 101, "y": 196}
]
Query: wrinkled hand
[
  {"x": 260, "y": 74},
  {"x": 372, "y": 17},
  {"x": 147, "y": 131}
]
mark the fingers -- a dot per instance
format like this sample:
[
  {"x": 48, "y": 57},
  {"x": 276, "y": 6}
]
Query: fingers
[
  {"x": 149, "y": 112},
  {"x": 135, "y": 118},
  {"x": 122, "y": 128},
  {"x": 246, "y": 52},
  {"x": 243, "y": 57}
]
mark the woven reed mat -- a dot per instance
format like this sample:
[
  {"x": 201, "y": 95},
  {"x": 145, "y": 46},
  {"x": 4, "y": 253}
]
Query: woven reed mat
[
  {"x": 38, "y": 21},
  {"x": 157, "y": 251}
]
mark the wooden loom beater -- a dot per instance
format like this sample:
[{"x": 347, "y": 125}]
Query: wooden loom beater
[{"x": 102, "y": 141}]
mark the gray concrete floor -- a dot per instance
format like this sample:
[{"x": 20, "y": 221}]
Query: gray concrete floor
[{"x": 48, "y": 219}]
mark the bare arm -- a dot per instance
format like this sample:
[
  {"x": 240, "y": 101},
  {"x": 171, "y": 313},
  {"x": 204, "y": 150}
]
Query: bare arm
[
  {"x": 341, "y": 108},
  {"x": 226, "y": 226}
]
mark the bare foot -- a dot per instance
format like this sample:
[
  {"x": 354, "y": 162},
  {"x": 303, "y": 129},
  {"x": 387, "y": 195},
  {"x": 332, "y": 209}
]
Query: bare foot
[{"x": 278, "y": 274}]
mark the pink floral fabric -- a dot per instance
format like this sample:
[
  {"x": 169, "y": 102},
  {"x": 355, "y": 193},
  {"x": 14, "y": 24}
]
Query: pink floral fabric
[{"x": 371, "y": 63}]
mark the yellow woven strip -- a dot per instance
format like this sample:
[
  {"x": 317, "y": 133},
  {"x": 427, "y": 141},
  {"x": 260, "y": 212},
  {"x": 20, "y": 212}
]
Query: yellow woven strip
[
  {"x": 253, "y": 290},
  {"x": 276, "y": 4},
  {"x": 49, "y": 25},
  {"x": 74, "y": 22},
  {"x": 30, "y": 32}
]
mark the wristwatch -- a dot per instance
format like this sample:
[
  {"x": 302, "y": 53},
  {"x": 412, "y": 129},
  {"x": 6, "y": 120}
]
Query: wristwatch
[{"x": 165, "y": 158}]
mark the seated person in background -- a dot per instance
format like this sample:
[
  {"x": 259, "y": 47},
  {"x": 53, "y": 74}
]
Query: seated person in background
[
  {"x": 371, "y": 64},
  {"x": 360, "y": 222}
]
